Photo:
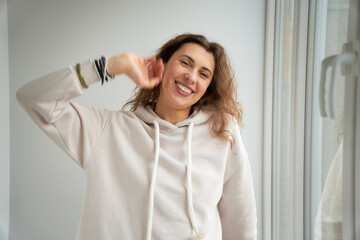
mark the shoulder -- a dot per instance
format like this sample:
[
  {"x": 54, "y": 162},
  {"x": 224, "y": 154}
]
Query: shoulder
[
  {"x": 238, "y": 149},
  {"x": 125, "y": 115},
  {"x": 104, "y": 113},
  {"x": 234, "y": 128}
]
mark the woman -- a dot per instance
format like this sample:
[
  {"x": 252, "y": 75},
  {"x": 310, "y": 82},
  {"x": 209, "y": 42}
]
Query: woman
[{"x": 179, "y": 149}]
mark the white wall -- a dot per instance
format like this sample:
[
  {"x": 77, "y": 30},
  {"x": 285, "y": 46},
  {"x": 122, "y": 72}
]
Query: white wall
[
  {"x": 4, "y": 123},
  {"x": 46, "y": 186}
]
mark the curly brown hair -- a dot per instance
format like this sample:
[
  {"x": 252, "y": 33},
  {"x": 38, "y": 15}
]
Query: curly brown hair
[{"x": 220, "y": 97}]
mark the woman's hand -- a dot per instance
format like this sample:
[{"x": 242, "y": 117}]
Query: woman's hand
[{"x": 145, "y": 72}]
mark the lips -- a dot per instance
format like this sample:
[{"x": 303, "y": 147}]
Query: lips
[{"x": 184, "y": 89}]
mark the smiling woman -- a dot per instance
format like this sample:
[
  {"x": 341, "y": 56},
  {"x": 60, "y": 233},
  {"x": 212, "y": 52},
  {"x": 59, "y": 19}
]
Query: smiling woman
[
  {"x": 219, "y": 97},
  {"x": 185, "y": 80},
  {"x": 179, "y": 148}
]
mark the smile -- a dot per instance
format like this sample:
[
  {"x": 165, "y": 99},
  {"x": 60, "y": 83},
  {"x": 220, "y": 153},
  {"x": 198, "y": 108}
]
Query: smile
[{"x": 183, "y": 88}]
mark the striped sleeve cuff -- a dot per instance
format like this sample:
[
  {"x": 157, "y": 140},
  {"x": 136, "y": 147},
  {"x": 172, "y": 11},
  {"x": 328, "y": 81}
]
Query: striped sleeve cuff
[{"x": 89, "y": 72}]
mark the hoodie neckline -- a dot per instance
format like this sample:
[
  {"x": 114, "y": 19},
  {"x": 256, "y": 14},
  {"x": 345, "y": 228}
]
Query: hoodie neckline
[{"x": 148, "y": 115}]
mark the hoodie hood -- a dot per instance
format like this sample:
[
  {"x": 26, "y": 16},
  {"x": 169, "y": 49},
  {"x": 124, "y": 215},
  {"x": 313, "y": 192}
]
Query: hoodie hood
[{"x": 148, "y": 115}]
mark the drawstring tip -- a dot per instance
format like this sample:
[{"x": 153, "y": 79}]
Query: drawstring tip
[{"x": 198, "y": 236}]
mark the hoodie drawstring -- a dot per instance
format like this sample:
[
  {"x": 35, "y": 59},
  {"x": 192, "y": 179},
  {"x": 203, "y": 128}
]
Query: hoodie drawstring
[
  {"x": 197, "y": 235},
  {"x": 153, "y": 179}
]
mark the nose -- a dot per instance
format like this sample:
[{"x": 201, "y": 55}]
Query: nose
[{"x": 190, "y": 77}]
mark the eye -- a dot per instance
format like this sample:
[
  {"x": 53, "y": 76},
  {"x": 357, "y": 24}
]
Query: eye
[
  {"x": 204, "y": 75},
  {"x": 185, "y": 63}
]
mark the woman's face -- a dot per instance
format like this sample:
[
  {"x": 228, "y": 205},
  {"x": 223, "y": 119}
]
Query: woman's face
[{"x": 186, "y": 77}]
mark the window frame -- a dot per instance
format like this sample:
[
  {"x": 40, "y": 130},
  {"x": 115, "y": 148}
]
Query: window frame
[{"x": 298, "y": 102}]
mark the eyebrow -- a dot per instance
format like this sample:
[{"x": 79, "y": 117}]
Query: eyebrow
[{"x": 193, "y": 61}]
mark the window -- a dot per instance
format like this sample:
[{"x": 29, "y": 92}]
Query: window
[{"x": 304, "y": 161}]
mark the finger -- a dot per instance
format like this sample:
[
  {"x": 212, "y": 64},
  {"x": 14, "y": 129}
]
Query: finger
[
  {"x": 156, "y": 69},
  {"x": 154, "y": 82},
  {"x": 159, "y": 68},
  {"x": 150, "y": 60},
  {"x": 150, "y": 83}
]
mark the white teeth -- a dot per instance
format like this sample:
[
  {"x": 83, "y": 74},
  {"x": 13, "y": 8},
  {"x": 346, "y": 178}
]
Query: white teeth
[{"x": 184, "y": 89}]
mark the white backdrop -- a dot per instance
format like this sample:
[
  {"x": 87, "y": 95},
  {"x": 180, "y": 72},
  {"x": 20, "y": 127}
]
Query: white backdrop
[
  {"x": 46, "y": 186},
  {"x": 4, "y": 123}
]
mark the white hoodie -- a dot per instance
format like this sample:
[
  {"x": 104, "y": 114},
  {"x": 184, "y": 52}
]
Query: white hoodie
[{"x": 145, "y": 177}]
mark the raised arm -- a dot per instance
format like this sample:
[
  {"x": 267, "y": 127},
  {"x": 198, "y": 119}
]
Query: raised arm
[{"x": 74, "y": 128}]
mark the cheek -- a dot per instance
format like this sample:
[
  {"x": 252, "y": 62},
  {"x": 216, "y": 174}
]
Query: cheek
[
  {"x": 168, "y": 76},
  {"x": 203, "y": 87},
  {"x": 165, "y": 80}
]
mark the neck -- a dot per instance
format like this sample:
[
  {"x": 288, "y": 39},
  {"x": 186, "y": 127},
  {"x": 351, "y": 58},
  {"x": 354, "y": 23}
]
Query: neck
[{"x": 170, "y": 114}]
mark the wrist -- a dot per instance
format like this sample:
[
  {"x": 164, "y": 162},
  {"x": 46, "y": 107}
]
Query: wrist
[{"x": 116, "y": 65}]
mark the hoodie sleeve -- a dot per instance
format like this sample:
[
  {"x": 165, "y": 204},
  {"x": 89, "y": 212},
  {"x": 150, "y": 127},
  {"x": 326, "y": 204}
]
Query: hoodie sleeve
[
  {"x": 237, "y": 206},
  {"x": 74, "y": 128}
]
